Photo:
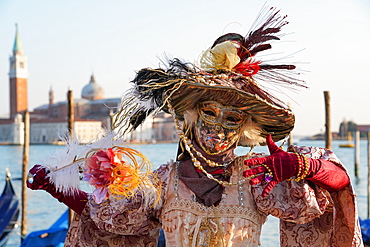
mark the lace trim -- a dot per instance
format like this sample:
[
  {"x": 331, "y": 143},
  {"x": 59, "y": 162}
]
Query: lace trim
[{"x": 223, "y": 211}]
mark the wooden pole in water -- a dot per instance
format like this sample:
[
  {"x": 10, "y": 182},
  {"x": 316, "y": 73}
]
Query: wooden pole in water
[
  {"x": 357, "y": 152},
  {"x": 70, "y": 129},
  {"x": 290, "y": 138},
  {"x": 111, "y": 120},
  {"x": 328, "y": 135},
  {"x": 26, "y": 145},
  {"x": 70, "y": 113},
  {"x": 368, "y": 174}
]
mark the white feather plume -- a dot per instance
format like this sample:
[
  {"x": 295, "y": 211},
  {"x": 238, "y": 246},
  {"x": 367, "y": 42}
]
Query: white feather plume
[
  {"x": 66, "y": 164},
  {"x": 191, "y": 117},
  {"x": 251, "y": 133}
]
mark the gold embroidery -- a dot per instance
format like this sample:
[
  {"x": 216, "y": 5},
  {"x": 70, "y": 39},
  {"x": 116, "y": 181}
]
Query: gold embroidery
[
  {"x": 196, "y": 225},
  {"x": 206, "y": 237}
]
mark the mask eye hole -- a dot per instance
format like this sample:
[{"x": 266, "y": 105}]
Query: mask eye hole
[
  {"x": 234, "y": 119},
  {"x": 209, "y": 112}
]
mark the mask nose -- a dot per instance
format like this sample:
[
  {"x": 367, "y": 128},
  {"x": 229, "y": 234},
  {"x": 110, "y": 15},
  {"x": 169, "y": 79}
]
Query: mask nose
[{"x": 221, "y": 135}]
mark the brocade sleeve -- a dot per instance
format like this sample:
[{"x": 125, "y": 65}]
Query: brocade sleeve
[
  {"x": 310, "y": 215},
  {"x": 120, "y": 222}
]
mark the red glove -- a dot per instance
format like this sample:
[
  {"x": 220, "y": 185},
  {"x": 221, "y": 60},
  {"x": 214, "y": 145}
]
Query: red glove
[
  {"x": 284, "y": 165},
  {"x": 327, "y": 175},
  {"x": 37, "y": 180}
]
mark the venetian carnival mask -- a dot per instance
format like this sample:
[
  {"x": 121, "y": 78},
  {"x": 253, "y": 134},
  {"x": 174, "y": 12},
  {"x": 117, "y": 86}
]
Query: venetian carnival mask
[{"x": 218, "y": 127}]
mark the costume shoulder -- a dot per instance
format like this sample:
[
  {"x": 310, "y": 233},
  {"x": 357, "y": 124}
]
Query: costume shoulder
[
  {"x": 165, "y": 168},
  {"x": 332, "y": 217}
]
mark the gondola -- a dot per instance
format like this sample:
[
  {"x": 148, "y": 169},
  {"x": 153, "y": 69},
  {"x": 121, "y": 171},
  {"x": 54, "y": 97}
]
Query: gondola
[
  {"x": 9, "y": 210},
  {"x": 54, "y": 236}
]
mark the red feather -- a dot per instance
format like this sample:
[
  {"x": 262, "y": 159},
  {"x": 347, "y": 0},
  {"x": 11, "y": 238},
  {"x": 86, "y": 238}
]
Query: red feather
[{"x": 247, "y": 69}]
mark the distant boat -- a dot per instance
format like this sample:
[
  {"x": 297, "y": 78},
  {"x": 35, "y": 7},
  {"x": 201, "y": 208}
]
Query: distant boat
[
  {"x": 52, "y": 237},
  {"x": 350, "y": 144},
  {"x": 9, "y": 210}
]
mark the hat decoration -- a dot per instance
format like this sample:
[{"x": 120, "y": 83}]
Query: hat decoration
[{"x": 229, "y": 71}]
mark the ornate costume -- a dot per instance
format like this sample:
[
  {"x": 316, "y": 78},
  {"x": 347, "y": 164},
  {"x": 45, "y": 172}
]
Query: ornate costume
[
  {"x": 209, "y": 196},
  {"x": 306, "y": 211}
]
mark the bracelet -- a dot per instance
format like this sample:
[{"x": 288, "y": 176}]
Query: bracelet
[
  {"x": 305, "y": 167},
  {"x": 300, "y": 166},
  {"x": 299, "y": 173}
]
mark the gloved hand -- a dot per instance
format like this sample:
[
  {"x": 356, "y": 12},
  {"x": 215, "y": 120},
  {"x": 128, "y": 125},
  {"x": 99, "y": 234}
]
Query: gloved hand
[
  {"x": 38, "y": 180},
  {"x": 280, "y": 164},
  {"x": 283, "y": 165}
]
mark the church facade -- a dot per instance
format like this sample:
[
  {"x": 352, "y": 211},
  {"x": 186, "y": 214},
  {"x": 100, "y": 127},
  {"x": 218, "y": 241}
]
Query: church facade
[{"x": 49, "y": 122}]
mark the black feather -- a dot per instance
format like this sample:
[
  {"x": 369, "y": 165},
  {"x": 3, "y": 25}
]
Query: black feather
[
  {"x": 229, "y": 36},
  {"x": 272, "y": 23},
  {"x": 139, "y": 118}
]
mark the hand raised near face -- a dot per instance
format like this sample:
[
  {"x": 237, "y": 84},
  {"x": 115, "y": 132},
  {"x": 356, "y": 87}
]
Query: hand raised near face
[{"x": 275, "y": 168}]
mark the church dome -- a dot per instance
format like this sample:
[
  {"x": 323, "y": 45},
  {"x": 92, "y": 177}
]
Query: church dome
[{"x": 92, "y": 91}]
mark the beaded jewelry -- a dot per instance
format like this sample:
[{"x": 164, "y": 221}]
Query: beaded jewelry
[
  {"x": 301, "y": 167},
  {"x": 299, "y": 174},
  {"x": 307, "y": 167}
]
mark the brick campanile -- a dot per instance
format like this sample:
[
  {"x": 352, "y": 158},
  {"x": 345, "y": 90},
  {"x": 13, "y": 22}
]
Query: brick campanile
[{"x": 18, "y": 75}]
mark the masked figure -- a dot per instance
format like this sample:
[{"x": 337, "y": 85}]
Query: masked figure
[{"x": 208, "y": 196}]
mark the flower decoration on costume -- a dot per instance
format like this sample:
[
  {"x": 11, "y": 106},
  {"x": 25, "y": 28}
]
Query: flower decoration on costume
[
  {"x": 116, "y": 171},
  {"x": 225, "y": 56},
  {"x": 222, "y": 56}
]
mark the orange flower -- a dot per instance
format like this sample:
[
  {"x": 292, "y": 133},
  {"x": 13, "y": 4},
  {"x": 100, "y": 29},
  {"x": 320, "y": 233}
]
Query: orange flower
[{"x": 116, "y": 171}]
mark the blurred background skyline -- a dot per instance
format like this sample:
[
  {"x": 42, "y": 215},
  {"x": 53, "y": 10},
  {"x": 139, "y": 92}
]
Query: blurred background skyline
[{"x": 67, "y": 41}]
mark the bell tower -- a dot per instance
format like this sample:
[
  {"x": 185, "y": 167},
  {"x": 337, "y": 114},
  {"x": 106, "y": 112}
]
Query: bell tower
[
  {"x": 51, "y": 102},
  {"x": 18, "y": 75}
]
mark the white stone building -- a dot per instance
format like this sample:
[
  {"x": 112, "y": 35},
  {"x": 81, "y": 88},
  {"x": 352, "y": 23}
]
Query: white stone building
[
  {"x": 12, "y": 132},
  {"x": 57, "y": 132}
]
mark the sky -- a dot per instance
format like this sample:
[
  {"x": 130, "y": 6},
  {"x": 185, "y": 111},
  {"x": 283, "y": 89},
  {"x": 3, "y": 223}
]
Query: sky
[{"x": 68, "y": 41}]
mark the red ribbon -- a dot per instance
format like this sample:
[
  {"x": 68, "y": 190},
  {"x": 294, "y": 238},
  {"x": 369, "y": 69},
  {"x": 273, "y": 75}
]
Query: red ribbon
[
  {"x": 218, "y": 171},
  {"x": 248, "y": 69}
]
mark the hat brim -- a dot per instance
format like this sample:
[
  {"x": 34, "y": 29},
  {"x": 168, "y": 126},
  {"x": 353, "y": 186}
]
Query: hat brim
[{"x": 274, "y": 120}]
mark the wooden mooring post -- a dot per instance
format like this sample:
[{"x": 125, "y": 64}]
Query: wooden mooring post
[
  {"x": 328, "y": 135},
  {"x": 357, "y": 152},
  {"x": 290, "y": 138},
  {"x": 70, "y": 129},
  {"x": 26, "y": 145},
  {"x": 368, "y": 174}
]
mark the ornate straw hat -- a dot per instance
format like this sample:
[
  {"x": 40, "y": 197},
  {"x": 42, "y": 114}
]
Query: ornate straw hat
[{"x": 229, "y": 73}]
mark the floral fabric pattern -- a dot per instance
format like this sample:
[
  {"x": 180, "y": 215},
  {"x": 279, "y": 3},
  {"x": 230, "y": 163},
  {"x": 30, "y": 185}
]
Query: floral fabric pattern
[{"x": 309, "y": 215}]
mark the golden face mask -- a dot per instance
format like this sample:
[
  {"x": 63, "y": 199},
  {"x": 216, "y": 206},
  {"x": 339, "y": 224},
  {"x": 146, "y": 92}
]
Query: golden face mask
[
  {"x": 218, "y": 127},
  {"x": 215, "y": 113}
]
